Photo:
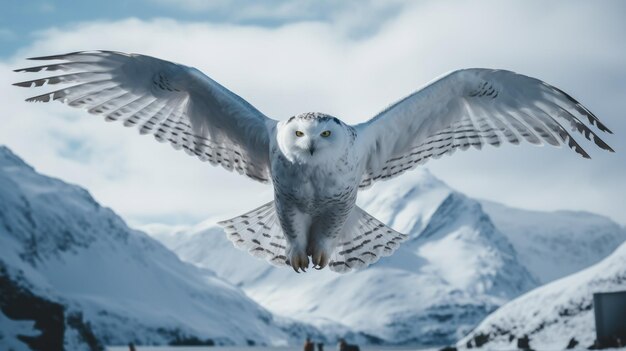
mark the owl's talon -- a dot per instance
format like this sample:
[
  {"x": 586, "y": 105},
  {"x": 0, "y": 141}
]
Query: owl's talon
[
  {"x": 320, "y": 260},
  {"x": 295, "y": 264},
  {"x": 299, "y": 262}
]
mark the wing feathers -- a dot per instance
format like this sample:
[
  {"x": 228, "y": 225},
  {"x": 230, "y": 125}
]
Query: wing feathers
[
  {"x": 567, "y": 100},
  {"x": 95, "y": 98},
  {"x": 364, "y": 241},
  {"x": 112, "y": 103},
  {"x": 516, "y": 120},
  {"x": 62, "y": 67},
  {"x": 65, "y": 78},
  {"x": 148, "y": 126},
  {"x": 576, "y": 124},
  {"x": 470, "y": 108},
  {"x": 259, "y": 233},
  {"x": 176, "y": 103}
]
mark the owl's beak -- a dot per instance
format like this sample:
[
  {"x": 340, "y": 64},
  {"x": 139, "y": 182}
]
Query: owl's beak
[{"x": 312, "y": 149}]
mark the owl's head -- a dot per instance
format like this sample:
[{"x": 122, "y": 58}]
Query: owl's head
[{"x": 308, "y": 137}]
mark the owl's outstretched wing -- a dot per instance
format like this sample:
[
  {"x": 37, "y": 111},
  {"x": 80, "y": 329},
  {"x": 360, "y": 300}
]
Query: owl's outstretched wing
[
  {"x": 470, "y": 108},
  {"x": 175, "y": 103}
]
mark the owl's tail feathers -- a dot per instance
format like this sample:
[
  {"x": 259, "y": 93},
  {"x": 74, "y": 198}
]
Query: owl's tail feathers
[
  {"x": 364, "y": 241},
  {"x": 259, "y": 233}
]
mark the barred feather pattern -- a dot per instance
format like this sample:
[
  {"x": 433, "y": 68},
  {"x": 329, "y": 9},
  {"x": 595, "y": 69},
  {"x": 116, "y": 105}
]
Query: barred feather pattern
[
  {"x": 481, "y": 107},
  {"x": 365, "y": 243},
  {"x": 259, "y": 233},
  {"x": 151, "y": 94}
]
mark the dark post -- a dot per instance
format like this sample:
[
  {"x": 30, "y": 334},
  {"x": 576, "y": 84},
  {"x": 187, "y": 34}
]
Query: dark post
[{"x": 610, "y": 313}]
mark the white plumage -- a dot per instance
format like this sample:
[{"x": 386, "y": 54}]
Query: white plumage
[{"x": 315, "y": 162}]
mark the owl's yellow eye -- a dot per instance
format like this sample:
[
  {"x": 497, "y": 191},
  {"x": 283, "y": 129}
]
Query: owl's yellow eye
[
  {"x": 299, "y": 133},
  {"x": 325, "y": 133}
]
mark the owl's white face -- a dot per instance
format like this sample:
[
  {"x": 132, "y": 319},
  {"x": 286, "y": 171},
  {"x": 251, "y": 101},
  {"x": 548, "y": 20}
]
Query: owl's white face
[{"x": 306, "y": 139}]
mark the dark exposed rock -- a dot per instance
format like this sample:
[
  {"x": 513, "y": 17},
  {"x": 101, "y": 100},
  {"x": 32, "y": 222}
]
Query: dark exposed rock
[
  {"x": 523, "y": 343},
  {"x": 75, "y": 320},
  {"x": 572, "y": 343},
  {"x": 18, "y": 303}
]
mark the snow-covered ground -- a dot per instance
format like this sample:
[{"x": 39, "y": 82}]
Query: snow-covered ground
[
  {"x": 56, "y": 242},
  {"x": 554, "y": 315}
]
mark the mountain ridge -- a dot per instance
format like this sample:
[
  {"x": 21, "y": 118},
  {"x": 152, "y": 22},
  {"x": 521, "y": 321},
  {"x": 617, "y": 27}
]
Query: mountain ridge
[{"x": 556, "y": 243}]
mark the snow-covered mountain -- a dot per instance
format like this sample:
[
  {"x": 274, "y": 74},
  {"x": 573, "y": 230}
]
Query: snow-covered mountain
[
  {"x": 455, "y": 269},
  {"x": 554, "y": 316},
  {"x": 555, "y": 244},
  {"x": 73, "y": 273},
  {"x": 65, "y": 260}
]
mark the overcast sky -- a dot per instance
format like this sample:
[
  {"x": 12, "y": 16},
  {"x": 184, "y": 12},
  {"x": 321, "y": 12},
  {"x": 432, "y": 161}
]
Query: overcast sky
[{"x": 350, "y": 59}]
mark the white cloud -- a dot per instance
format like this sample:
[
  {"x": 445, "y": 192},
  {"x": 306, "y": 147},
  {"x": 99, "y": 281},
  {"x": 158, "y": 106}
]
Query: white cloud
[{"x": 321, "y": 66}]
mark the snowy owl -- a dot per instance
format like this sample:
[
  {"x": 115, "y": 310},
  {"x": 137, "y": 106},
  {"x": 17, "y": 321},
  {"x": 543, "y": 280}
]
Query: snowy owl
[{"x": 315, "y": 162}]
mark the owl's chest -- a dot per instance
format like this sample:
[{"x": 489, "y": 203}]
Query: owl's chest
[{"x": 316, "y": 186}]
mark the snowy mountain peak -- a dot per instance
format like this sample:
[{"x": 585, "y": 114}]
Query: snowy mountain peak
[
  {"x": 406, "y": 203},
  {"x": 454, "y": 211},
  {"x": 47, "y": 216},
  {"x": 554, "y": 244},
  {"x": 467, "y": 250}
]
